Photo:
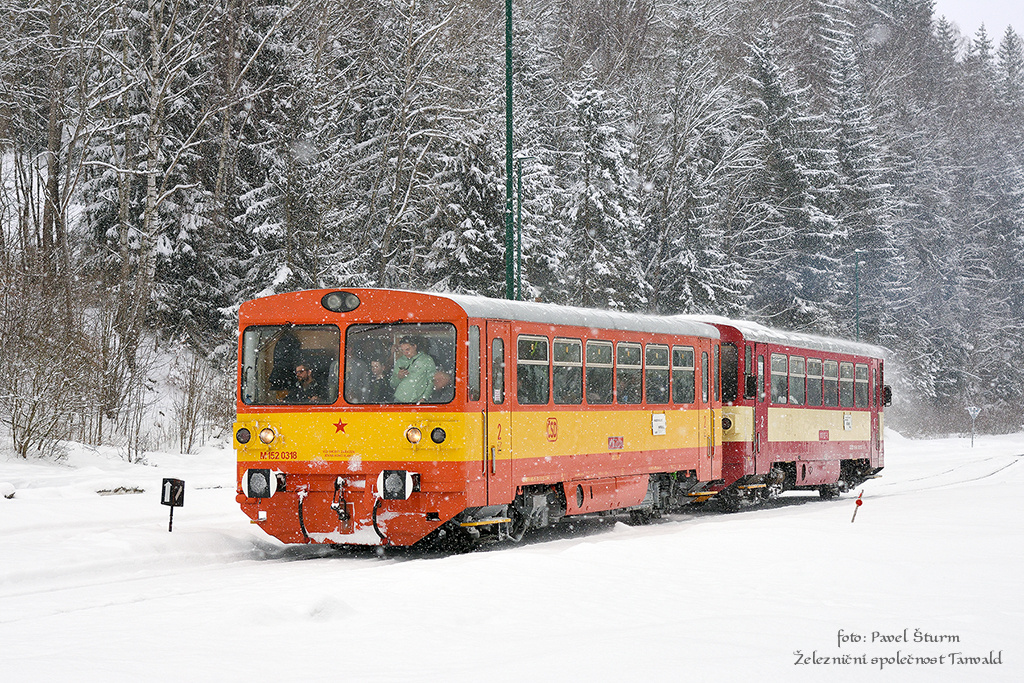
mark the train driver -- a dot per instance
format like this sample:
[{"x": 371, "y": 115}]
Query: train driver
[
  {"x": 413, "y": 375},
  {"x": 306, "y": 389}
]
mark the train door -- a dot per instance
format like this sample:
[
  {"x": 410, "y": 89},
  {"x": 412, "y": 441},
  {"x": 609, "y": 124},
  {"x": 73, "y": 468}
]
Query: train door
[
  {"x": 498, "y": 454},
  {"x": 762, "y": 464},
  {"x": 874, "y": 406},
  {"x": 706, "y": 437}
]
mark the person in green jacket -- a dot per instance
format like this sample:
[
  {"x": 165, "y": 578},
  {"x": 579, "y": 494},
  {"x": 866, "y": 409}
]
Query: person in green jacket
[{"x": 413, "y": 375}]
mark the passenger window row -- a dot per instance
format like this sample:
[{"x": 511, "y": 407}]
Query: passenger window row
[
  {"x": 814, "y": 382},
  {"x": 626, "y": 373}
]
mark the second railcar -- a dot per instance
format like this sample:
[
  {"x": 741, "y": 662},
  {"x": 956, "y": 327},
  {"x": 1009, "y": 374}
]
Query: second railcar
[{"x": 800, "y": 412}]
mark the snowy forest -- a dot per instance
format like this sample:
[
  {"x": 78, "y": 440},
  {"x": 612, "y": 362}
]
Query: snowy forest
[{"x": 842, "y": 167}]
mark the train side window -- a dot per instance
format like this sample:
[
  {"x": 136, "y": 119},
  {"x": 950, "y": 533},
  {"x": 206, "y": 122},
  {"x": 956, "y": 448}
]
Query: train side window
[
  {"x": 860, "y": 392},
  {"x": 532, "y": 370},
  {"x": 813, "y": 381},
  {"x": 846, "y": 385},
  {"x": 599, "y": 372},
  {"x": 473, "y": 349},
  {"x": 730, "y": 373},
  {"x": 780, "y": 378},
  {"x": 831, "y": 374},
  {"x": 498, "y": 371},
  {"x": 749, "y": 381},
  {"x": 797, "y": 373},
  {"x": 683, "y": 389},
  {"x": 716, "y": 373},
  {"x": 567, "y": 380},
  {"x": 760, "y": 379},
  {"x": 657, "y": 373},
  {"x": 628, "y": 373},
  {"x": 704, "y": 376}
]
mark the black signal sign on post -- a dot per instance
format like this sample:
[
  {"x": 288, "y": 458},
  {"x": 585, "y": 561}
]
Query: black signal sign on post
[{"x": 172, "y": 493}]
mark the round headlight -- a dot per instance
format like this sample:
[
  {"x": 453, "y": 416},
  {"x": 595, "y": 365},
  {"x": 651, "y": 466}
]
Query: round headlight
[
  {"x": 243, "y": 435},
  {"x": 259, "y": 485},
  {"x": 413, "y": 434},
  {"x": 394, "y": 483},
  {"x": 438, "y": 435},
  {"x": 267, "y": 435},
  {"x": 340, "y": 302},
  {"x": 726, "y": 424}
]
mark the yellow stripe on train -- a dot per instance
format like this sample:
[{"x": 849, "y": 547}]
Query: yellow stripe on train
[{"x": 324, "y": 436}]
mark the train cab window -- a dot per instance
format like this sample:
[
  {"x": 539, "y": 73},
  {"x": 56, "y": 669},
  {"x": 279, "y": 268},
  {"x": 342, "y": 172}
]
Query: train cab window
[
  {"x": 498, "y": 371},
  {"x": 628, "y": 373},
  {"x": 704, "y": 372},
  {"x": 831, "y": 376},
  {"x": 599, "y": 372},
  {"x": 813, "y": 381},
  {"x": 532, "y": 371},
  {"x": 473, "y": 349},
  {"x": 780, "y": 378},
  {"x": 400, "y": 363},
  {"x": 295, "y": 364},
  {"x": 797, "y": 373},
  {"x": 846, "y": 385},
  {"x": 683, "y": 388},
  {"x": 567, "y": 381},
  {"x": 656, "y": 373},
  {"x": 860, "y": 391},
  {"x": 730, "y": 373}
]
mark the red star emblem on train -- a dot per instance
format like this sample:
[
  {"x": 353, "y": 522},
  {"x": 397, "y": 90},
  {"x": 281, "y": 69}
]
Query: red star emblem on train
[{"x": 339, "y": 426}]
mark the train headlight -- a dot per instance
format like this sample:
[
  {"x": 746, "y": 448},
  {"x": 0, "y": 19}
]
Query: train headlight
[
  {"x": 726, "y": 423},
  {"x": 259, "y": 483},
  {"x": 414, "y": 435},
  {"x": 243, "y": 435},
  {"x": 267, "y": 435},
  {"x": 397, "y": 484},
  {"x": 340, "y": 302},
  {"x": 438, "y": 436}
]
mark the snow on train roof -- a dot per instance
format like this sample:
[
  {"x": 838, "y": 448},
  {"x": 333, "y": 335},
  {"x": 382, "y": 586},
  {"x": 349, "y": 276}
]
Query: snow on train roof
[
  {"x": 528, "y": 311},
  {"x": 758, "y": 332}
]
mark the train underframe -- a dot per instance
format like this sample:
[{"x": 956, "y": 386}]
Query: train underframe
[
  {"x": 539, "y": 506},
  {"x": 782, "y": 477}
]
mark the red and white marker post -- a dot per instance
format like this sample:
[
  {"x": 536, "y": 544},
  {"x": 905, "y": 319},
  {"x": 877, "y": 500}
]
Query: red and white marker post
[{"x": 859, "y": 503}]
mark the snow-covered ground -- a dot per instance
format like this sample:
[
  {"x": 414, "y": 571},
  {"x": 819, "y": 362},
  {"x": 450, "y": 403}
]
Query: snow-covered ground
[{"x": 93, "y": 587}]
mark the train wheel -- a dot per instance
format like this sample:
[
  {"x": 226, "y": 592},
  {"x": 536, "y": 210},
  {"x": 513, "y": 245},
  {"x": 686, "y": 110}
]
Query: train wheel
[
  {"x": 642, "y": 517},
  {"x": 517, "y": 527},
  {"x": 730, "y": 499},
  {"x": 829, "y": 491}
]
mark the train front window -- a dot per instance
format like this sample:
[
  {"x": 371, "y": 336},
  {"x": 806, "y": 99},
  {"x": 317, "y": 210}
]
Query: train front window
[
  {"x": 400, "y": 363},
  {"x": 295, "y": 364}
]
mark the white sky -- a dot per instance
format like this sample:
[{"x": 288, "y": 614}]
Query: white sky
[{"x": 995, "y": 14}]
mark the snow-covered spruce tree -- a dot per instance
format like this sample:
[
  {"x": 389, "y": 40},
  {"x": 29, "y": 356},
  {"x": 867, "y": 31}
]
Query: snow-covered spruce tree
[
  {"x": 599, "y": 203},
  {"x": 468, "y": 254},
  {"x": 790, "y": 235},
  {"x": 864, "y": 206},
  {"x": 699, "y": 155},
  {"x": 280, "y": 161}
]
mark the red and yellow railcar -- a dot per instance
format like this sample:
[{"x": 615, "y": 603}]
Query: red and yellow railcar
[
  {"x": 382, "y": 417},
  {"x": 799, "y": 412}
]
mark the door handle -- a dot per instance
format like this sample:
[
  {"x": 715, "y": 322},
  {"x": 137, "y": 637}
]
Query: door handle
[{"x": 494, "y": 469}]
